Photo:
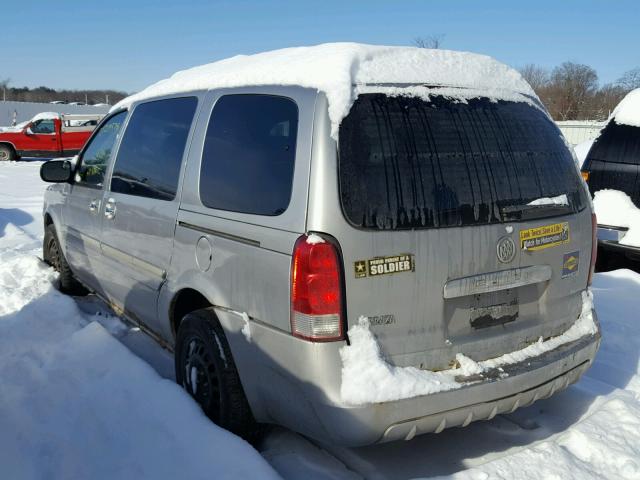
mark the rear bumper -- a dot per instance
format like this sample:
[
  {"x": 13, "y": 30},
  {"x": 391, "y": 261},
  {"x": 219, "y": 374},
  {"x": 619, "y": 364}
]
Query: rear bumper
[
  {"x": 609, "y": 239},
  {"x": 297, "y": 384},
  {"x": 534, "y": 379}
]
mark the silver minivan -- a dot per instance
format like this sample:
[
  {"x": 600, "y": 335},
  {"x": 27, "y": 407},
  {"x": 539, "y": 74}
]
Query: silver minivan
[{"x": 238, "y": 229}]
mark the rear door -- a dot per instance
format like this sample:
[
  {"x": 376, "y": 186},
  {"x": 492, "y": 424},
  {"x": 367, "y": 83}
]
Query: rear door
[
  {"x": 465, "y": 226},
  {"x": 140, "y": 206},
  {"x": 613, "y": 162}
]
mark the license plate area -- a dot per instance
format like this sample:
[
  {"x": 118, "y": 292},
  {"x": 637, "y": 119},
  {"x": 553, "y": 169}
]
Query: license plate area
[{"x": 495, "y": 308}]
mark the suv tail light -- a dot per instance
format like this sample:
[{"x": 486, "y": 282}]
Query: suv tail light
[
  {"x": 316, "y": 290},
  {"x": 594, "y": 247}
]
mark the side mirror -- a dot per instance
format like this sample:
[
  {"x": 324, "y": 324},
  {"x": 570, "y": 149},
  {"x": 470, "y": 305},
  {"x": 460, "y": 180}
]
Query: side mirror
[
  {"x": 57, "y": 171},
  {"x": 27, "y": 130}
]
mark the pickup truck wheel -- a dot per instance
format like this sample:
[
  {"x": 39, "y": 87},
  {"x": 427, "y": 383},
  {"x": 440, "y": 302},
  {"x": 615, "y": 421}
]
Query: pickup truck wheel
[
  {"x": 206, "y": 370},
  {"x": 52, "y": 254},
  {"x": 7, "y": 153}
]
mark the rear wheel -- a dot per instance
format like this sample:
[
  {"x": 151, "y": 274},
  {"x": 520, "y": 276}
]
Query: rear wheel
[
  {"x": 7, "y": 153},
  {"x": 206, "y": 370},
  {"x": 52, "y": 254}
]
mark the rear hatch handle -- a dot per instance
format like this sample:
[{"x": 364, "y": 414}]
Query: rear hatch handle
[{"x": 495, "y": 281}]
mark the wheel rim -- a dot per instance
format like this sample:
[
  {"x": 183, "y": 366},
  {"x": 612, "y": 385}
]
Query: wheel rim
[
  {"x": 201, "y": 376},
  {"x": 54, "y": 254},
  {"x": 4, "y": 155}
]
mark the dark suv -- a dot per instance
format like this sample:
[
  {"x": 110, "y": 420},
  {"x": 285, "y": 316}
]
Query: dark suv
[{"x": 613, "y": 163}]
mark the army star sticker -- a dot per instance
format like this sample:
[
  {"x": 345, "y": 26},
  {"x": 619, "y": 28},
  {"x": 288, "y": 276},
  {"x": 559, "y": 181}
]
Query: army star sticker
[{"x": 360, "y": 268}]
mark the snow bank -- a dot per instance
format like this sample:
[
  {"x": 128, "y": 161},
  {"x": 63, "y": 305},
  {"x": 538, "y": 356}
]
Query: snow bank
[
  {"x": 368, "y": 378},
  {"x": 334, "y": 68},
  {"x": 559, "y": 200},
  {"x": 76, "y": 403},
  {"x": 615, "y": 208},
  {"x": 628, "y": 110}
]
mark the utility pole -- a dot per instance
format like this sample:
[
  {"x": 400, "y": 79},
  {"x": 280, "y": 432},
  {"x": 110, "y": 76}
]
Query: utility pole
[
  {"x": 86, "y": 99},
  {"x": 107, "y": 98}
]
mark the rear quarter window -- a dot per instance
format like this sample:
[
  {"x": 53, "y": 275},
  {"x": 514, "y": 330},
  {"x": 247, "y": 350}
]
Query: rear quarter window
[
  {"x": 249, "y": 154},
  {"x": 150, "y": 154}
]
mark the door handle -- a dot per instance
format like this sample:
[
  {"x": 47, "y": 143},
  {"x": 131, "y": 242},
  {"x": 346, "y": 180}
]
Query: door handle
[
  {"x": 110, "y": 209},
  {"x": 93, "y": 206}
]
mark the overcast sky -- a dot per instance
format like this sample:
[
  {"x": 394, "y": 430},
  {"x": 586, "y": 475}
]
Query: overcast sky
[{"x": 128, "y": 44}]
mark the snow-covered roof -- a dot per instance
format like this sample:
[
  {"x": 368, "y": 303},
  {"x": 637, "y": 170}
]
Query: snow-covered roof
[
  {"x": 46, "y": 116},
  {"x": 338, "y": 68},
  {"x": 628, "y": 110}
]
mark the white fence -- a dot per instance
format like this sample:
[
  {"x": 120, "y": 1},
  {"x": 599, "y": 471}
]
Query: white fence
[
  {"x": 578, "y": 131},
  {"x": 21, "y": 111}
]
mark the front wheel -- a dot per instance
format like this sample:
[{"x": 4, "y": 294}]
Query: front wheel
[
  {"x": 206, "y": 370},
  {"x": 52, "y": 254},
  {"x": 7, "y": 153}
]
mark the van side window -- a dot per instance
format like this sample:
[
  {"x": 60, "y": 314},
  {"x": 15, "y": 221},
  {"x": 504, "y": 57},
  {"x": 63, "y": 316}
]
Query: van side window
[
  {"x": 249, "y": 154},
  {"x": 150, "y": 155},
  {"x": 96, "y": 156}
]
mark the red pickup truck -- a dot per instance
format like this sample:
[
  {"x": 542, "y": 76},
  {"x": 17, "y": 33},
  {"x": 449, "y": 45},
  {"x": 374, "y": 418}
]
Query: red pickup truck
[{"x": 48, "y": 135}]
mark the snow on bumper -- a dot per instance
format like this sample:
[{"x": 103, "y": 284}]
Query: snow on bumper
[
  {"x": 368, "y": 378},
  {"x": 500, "y": 390}
]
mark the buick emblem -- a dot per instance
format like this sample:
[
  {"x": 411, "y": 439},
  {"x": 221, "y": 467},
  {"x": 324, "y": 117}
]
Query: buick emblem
[{"x": 506, "y": 249}]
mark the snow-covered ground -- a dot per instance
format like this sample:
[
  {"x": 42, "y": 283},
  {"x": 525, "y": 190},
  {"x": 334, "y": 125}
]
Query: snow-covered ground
[{"x": 79, "y": 397}]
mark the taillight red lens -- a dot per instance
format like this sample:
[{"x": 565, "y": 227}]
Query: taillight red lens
[
  {"x": 594, "y": 247},
  {"x": 316, "y": 291}
]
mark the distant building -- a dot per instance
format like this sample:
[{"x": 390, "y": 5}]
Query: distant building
[
  {"x": 12, "y": 113},
  {"x": 578, "y": 131}
]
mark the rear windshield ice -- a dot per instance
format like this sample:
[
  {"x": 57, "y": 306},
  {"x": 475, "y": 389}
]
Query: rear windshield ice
[
  {"x": 409, "y": 163},
  {"x": 617, "y": 143}
]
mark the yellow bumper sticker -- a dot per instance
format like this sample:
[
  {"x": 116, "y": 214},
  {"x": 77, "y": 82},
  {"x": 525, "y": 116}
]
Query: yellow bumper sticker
[{"x": 544, "y": 237}]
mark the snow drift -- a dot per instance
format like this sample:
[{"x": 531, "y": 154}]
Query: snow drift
[{"x": 76, "y": 403}]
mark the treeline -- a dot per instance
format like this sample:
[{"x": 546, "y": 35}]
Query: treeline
[
  {"x": 46, "y": 95},
  {"x": 572, "y": 91}
]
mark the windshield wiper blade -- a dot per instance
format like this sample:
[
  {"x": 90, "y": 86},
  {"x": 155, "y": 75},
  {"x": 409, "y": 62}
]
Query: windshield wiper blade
[{"x": 519, "y": 212}]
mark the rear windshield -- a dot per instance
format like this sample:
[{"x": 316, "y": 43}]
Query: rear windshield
[
  {"x": 410, "y": 163},
  {"x": 617, "y": 143}
]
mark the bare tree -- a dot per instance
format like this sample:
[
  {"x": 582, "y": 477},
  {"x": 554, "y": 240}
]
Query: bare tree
[
  {"x": 430, "y": 41},
  {"x": 605, "y": 100},
  {"x": 571, "y": 87},
  {"x": 538, "y": 77},
  {"x": 630, "y": 80}
]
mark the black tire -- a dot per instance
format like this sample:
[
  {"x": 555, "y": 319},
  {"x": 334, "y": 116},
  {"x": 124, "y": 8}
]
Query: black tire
[
  {"x": 217, "y": 387},
  {"x": 7, "y": 153},
  {"x": 52, "y": 254}
]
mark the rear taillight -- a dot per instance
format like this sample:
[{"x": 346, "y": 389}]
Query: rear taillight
[
  {"x": 585, "y": 175},
  {"x": 594, "y": 246},
  {"x": 316, "y": 290}
]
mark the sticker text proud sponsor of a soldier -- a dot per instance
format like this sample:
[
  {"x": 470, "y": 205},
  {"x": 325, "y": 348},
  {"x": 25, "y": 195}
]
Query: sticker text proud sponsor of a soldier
[{"x": 384, "y": 265}]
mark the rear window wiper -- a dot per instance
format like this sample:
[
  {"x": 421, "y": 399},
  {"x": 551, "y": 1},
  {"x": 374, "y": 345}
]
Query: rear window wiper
[{"x": 527, "y": 211}]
